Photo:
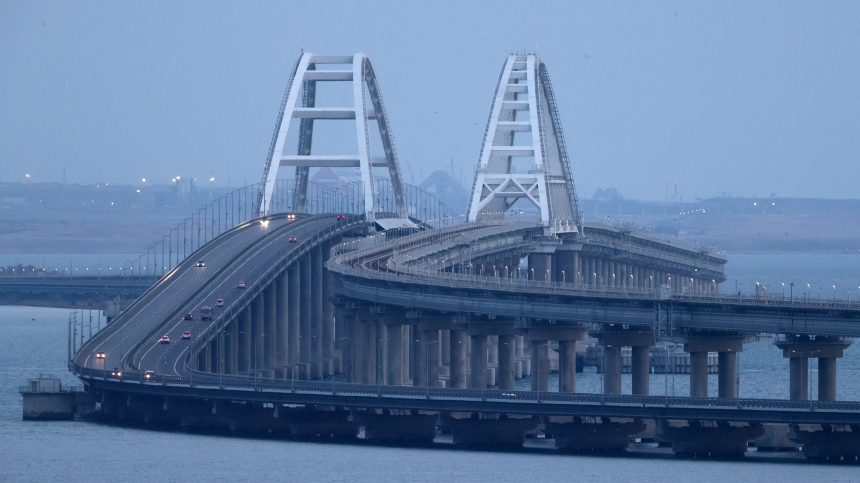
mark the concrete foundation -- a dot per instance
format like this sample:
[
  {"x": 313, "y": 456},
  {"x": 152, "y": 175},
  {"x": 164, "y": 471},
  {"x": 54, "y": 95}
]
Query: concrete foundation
[
  {"x": 709, "y": 439},
  {"x": 489, "y": 432}
]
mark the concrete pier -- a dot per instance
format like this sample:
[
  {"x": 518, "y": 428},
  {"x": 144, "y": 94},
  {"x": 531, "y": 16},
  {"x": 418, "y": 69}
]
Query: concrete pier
[
  {"x": 478, "y": 362},
  {"x": 798, "y": 349},
  {"x": 457, "y": 378}
]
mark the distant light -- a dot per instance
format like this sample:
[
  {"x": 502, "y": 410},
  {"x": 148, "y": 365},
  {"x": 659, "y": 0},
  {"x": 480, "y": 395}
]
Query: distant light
[
  {"x": 111, "y": 202},
  {"x": 211, "y": 179},
  {"x": 27, "y": 175},
  {"x": 144, "y": 180},
  {"x": 138, "y": 191}
]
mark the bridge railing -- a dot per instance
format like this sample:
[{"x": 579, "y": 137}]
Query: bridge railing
[{"x": 197, "y": 379}]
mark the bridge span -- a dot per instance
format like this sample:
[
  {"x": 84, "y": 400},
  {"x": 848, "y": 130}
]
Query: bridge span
[{"x": 403, "y": 325}]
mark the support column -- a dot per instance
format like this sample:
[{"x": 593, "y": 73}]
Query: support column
[
  {"x": 305, "y": 327},
  {"x": 540, "y": 365},
  {"x": 245, "y": 340},
  {"x": 506, "y": 349},
  {"x": 826, "y": 378},
  {"x": 799, "y": 349},
  {"x": 612, "y": 370},
  {"x": 294, "y": 317},
  {"x": 458, "y": 359},
  {"x": 355, "y": 349},
  {"x": 328, "y": 329},
  {"x": 541, "y": 263},
  {"x": 282, "y": 349},
  {"x": 371, "y": 352},
  {"x": 234, "y": 347},
  {"x": 798, "y": 385},
  {"x": 269, "y": 332},
  {"x": 316, "y": 313},
  {"x": 394, "y": 339},
  {"x": 430, "y": 339},
  {"x": 419, "y": 357},
  {"x": 259, "y": 338},
  {"x": 728, "y": 369},
  {"x": 567, "y": 366},
  {"x": 640, "y": 366},
  {"x": 699, "y": 374},
  {"x": 478, "y": 362}
]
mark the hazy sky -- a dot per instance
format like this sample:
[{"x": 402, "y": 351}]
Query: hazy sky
[{"x": 748, "y": 98}]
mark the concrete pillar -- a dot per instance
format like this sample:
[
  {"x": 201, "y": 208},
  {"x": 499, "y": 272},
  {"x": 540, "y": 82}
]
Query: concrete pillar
[
  {"x": 371, "y": 352},
  {"x": 340, "y": 334},
  {"x": 306, "y": 336},
  {"x": 431, "y": 351},
  {"x": 405, "y": 348},
  {"x": 478, "y": 362},
  {"x": 541, "y": 263},
  {"x": 234, "y": 347},
  {"x": 419, "y": 358},
  {"x": 445, "y": 344},
  {"x": 798, "y": 379},
  {"x": 699, "y": 374},
  {"x": 727, "y": 376},
  {"x": 458, "y": 359},
  {"x": 207, "y": 358},
  {"x": 612, "y": 370},
  {"x": 328, "y": 323},
  {"x": 245, "y": 340},
  {"x": 540, "y": 365},
  {"x": 269, "y": 332},
  {"x": 492, "y": 349},
  {"x": 316, "y": 313},
  {"x": 506, "y": 349},
  {"x": 394, "y": 340},
  {"x": 282, "y": 311},
  {"x": 294, "y": 316},
  {"x": 640, "y": 367},
  {"x": 567, "y": 366},
  {"x": 258, "y": 334},
  {"x": 826, "y": 378},
  {"x": 355, "y": 348}
]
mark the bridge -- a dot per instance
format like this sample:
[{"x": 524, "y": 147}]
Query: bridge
[{"x": 364, "y": 312}]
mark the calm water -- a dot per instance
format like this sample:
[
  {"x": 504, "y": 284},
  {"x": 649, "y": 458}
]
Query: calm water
[{"x": 34, "y": 342}]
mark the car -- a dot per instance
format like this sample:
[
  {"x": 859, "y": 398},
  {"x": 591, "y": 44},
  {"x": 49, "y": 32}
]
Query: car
[
  {"x": 294, "y": 239},
  {"x": 240, "y": 285},
  {"x": 291, "y": 217},
  {"x": 148, "y": 375},
  {"x": 186, "y": 335},
  {"x": 219, "y": 303},
  {"x": 341, "y": 217},
  {"x": 201, "y": 263},
  {"x": 116, "y": 372},
  {"x": 164, "y": 340},
  {"x": 100, "y": 355},
  {"x": 206, "y": 313},
  {"x": 189, "y": 317}
]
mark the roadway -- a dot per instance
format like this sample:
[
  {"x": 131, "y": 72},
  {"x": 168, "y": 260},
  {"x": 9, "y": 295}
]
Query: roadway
[{"x": 241, "y": 254}]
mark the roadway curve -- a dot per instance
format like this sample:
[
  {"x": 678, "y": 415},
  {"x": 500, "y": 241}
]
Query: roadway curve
[{"x": 241, "y": 254}]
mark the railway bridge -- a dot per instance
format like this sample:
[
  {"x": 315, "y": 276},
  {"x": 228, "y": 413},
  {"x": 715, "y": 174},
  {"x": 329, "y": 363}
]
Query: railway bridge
[{"x": 365, "y": 314}]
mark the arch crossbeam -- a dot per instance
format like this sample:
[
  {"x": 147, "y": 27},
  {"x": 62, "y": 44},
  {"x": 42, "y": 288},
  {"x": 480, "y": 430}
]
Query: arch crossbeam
[
  {"x": 524, "y": 156},
  {"x": 300, "y": 104}
]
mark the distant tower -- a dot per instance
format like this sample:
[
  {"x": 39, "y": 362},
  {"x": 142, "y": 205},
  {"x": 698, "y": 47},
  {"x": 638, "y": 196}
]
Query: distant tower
[
  {"x": 300, "y": 103},
  {"x": 524, "y": 156}
]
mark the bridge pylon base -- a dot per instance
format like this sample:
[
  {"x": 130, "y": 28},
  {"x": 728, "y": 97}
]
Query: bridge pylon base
[
  {"x": 832, "y": 442},
  {"x": 489, "y": 432}
]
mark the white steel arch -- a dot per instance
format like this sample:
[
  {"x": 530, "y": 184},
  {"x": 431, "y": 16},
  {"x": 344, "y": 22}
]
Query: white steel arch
[
  {"x": 525, "y": 103},
  {"x": 300, "y": 103}
]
